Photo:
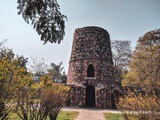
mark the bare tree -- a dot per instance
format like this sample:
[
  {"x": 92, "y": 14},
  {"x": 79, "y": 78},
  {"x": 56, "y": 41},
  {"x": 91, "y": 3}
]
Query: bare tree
[
  {"x": 121, "y": 54},
  {"x": 37, "y": 66}
]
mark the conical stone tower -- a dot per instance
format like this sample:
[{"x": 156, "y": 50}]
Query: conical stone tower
[{"x": 90, "y": 66}]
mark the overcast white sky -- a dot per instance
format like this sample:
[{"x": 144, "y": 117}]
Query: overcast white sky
[{"x": 123, "y": 19}]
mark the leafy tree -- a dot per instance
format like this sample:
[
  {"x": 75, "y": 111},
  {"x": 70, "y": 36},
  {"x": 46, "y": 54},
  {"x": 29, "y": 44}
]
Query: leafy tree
[
  {"x": 21, "y": 61},
  {"x": 23, "y": 94},
  {"x": 28, "y": 98},
  {"x": 5, "y": 85},
  {"x": 64, "y": 78},
  {"x": 36, "y": 101},
  {"x": 45, "y": 81},
  {"x": 121, "y": 54},
  {"x": 136, "y": 106},
  {"x": 53, "y": 96},
  {"x": 45, "y": 17},
  {"x": 145, "y": 64},
  {"x": 6, "y": 56},
  {"x": 12, "y": 71},
  {"x": 144, "y": 76},
  {"x": 56, "y": 72},
  {"x": 19, "y": 93}
]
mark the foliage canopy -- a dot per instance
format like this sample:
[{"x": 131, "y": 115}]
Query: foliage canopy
[
  {"x": 144, "y": 75},
  {"x": 145, "y": 64},
  {"x": 46, "y": 18}
]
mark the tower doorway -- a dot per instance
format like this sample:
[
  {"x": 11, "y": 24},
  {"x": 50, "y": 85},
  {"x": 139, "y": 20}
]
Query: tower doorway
[
  {"x": 90, "y": 96},
  {"x": 90, "y": 71}
]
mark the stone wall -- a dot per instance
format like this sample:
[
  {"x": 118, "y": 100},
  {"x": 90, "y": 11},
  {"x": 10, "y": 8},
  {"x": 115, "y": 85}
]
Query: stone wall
[
  {"x": 91, "y": 46},
  {"x": 103, "y": 96},
  {"x": 77, "y": 95}
]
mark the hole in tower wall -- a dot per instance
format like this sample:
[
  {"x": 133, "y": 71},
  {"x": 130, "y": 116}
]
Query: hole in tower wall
[{"x": 90, "y": 71}]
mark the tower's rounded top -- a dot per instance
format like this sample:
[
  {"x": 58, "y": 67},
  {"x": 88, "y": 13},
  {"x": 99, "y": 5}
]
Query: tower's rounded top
[
  {"x": 91, "y": 29},
  {"x": 91, "y": 42}
]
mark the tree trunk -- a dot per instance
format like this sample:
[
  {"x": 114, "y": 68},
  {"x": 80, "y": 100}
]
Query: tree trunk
[{"x": 53, "y": 116}]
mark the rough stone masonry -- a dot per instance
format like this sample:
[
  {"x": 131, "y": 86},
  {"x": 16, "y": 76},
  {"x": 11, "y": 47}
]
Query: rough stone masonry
[{"x": 90, "y": 73}]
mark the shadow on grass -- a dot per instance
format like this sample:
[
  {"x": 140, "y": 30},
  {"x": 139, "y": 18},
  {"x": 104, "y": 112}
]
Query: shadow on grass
[
  {"x": 113, "y": 116},
  {"x": 63, "y": 115}
]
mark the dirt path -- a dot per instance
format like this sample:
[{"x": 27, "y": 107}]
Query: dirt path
[{"x": 90, "y": 113}]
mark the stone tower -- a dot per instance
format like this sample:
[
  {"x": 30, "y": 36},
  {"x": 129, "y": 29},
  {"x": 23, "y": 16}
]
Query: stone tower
[{"x": 90, "y": 66}]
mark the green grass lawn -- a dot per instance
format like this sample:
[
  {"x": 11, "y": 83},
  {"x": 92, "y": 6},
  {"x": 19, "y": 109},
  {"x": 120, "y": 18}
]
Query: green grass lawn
[
  {"x": 63, "y": 115},
  {"x": 113, "y": 116},
  {"x": 116, "y": 116}
]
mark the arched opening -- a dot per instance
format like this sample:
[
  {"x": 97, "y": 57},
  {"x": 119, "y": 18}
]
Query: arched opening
[
  {"x": 90, "y": 71},
  {"x": 90, "y": 96}
]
